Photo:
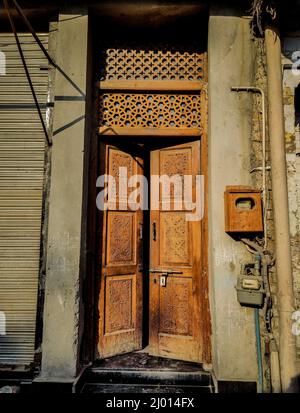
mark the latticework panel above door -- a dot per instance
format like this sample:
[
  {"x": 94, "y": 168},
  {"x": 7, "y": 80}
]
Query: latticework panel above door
[
  {"x": 150, "y": 110},
  {"x": 157, "y": 63},
  {"x": 152, "y": 90}
]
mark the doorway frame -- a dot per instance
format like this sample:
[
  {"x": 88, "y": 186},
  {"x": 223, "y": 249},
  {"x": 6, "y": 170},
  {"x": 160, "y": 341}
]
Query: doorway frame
[
  {"x": 91, "y": 283},
  {"x": 204, "y": 298}
]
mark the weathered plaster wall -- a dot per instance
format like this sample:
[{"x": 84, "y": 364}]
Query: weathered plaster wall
[
  {"x": 231, "y": 63},
  {"x": 47, "y": 175},
  {"x": 291, "y": 80},
  {"x": 256, "y": 161},
  {"x": 62, "y": 290}
]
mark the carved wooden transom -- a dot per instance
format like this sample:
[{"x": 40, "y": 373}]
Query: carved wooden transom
[
  {"x": 150, "y": 110},
  {"x": 152, "y": 63},
  {"x": 151, "y": 90}
]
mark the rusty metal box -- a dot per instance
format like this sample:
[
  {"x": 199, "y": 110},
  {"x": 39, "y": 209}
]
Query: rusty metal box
[{"x": 243, "y": 209}]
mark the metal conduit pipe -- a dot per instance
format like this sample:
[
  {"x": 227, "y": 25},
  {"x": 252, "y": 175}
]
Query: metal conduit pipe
[
  {"x": 264, "y": 168},
  {"x": 274, "y": 356},
  {"x": 260, "y": 386},
  {"x": 287, "y": 349}
]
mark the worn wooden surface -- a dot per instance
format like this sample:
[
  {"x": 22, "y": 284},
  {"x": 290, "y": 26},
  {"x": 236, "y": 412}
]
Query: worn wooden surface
[
  {"x": 204, "y": 275},
  {"x": 139, "y": 100},
  {"x": 120, "y": 304},
  {"x": 175, "y": 309},
  {"x": 176, "y": 85},
  {"x": 128, "y": 131},
  {"x": 239, "y": 219}
]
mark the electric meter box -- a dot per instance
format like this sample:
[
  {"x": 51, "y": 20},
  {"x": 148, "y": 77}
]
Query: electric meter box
[
  {"x": 243, "y": 210},
  {"x": 250, "y": 291}
]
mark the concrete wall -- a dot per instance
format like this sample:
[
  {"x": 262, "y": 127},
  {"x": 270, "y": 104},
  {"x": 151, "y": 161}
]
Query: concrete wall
[
  {"x": 291, "y": 80},
  {"x": 231, "y": 63},
  {"x": 62, "y": 291}
]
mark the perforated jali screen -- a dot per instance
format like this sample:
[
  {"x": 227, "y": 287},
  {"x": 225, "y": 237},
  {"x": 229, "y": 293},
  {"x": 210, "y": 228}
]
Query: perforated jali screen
[
  {"x": 152, "y": 90},
  {"x": 152, "y": 63}
]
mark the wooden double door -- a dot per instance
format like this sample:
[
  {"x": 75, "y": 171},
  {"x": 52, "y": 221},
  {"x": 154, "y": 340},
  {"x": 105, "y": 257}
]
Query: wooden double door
[{"x": 151, "y": 289}]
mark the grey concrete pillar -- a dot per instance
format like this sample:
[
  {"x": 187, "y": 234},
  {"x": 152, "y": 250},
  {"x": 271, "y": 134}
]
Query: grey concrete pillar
[
  {"x": 60, "y": 346},
  {"x": 230, "y": 55},
  {"x": 286, "y": 300}
]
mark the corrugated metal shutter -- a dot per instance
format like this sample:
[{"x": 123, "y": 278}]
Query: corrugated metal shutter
[{"x": 22, "y": 147}]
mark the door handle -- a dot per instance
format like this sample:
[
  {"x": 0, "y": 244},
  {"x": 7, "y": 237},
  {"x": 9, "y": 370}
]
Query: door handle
[
  {"x": 164, "y": 275},
  {"x": 165, "y": 272},
  {"x": 141, "y": 249},
  {"x": 154, "y": 231},
  {"x": 141, "y": 231}
]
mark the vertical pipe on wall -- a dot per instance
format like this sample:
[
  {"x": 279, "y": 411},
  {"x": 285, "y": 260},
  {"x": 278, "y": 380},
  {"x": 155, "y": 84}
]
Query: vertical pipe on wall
[
  {"x": 275, "y": 367},
  {"x": 260, "y": 388},
  {"x": 287, "y": 349}
]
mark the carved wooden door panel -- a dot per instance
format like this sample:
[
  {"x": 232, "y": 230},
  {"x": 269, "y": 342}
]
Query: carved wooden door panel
[
  {"x": 120, "y": 304},
  {"x": 175, "y": 249},
  {"x": 152, "y": 92}
]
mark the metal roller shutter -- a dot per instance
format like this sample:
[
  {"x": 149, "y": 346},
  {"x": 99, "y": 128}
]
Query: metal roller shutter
[{"x": 22, "y": 149}]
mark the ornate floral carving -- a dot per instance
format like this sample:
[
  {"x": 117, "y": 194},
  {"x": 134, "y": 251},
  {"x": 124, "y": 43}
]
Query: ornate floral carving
[
  {"x": 120, "y": 159},
  {"x": 118, "y": 305},
  {"x": 176, "y": 162},
  {"x": 175, "y": 238},
  {"x": 120, "y": 238},
  {"x": 175, "y": 307}
]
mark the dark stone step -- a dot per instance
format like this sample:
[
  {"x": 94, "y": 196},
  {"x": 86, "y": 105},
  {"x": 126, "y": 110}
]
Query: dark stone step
[
  {"x": 139, "y": 372},
  {"x": 143, "y": 360},
  {"x": 143, "y": 388},
  {"x": 122, "y": 376},
  {"x": 47, "y": 387}
]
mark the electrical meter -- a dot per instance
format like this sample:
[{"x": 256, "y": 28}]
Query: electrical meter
[{"x": 250, "y": 288}]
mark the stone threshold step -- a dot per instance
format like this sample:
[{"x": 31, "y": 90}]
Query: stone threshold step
[
  {"x": 143, "y": 388},
  {"x": 146, "y": 376}
]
